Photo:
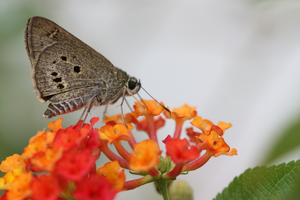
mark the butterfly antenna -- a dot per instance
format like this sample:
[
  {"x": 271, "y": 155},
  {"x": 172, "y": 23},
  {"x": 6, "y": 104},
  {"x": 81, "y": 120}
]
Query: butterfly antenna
[{"x": 157, "y": 102}]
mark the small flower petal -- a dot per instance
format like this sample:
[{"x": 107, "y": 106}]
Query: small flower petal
[
  {"x": 56, "y": 125},
  {"x": 12, "y": 163},
  {"x": 182, "y": 113},
  {"x": 145, "y": 156},
  {"x": 116, "y": 132},
  {"x": 192, "y": 135},
  {"x": 152, "y": 107},
  {"x": 94, "y": 188},
  {"x": 213, "y": 142},
  {"x": 20, "y": 187},
  {"x": 181, "y": 151},
  {"x": 111, "y": 172},
  {"x": 45, "y": 187},
  {"x": 74, "y": 166},
  {"x": 224, "y": 125},
  {"x": 204, "y": 125}
]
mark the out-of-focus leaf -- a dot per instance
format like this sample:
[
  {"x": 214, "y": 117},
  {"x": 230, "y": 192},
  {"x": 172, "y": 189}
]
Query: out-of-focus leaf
[{"x": 288, "y": 141}]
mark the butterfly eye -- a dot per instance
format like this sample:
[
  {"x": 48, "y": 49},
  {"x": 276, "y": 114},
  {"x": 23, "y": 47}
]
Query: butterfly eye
[{"x": 132, "y": 83}]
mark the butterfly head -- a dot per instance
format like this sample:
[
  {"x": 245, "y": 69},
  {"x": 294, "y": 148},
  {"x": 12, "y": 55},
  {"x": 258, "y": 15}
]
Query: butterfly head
[{"x": 133, "y": 86}]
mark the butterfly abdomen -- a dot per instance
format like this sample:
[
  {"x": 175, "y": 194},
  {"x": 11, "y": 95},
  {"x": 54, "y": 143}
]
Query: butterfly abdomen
[{"x": 55, "y": 109}]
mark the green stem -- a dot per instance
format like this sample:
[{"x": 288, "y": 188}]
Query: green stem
[{"x": 162, "y": 184}]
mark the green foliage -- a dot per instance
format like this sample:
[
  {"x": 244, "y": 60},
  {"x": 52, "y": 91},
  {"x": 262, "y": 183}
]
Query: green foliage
[
  {"x": 288, "y": 141},
  {"x": 272, "y": 183}
]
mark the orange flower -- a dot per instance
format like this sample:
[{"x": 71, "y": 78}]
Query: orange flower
[
  {"x": 37, "y": 145},
  {"x": 56, "y": 125},
  {"x": 20, "y": 187},
  {"x": 145, "y": 156},
  {"x": 211, "y": 137},
  {"x": 152, "y": 107},
  {"x": 111, "y": 172},
  {"x": 6, "y": 180},
  {"x": 46, "y": 160},
  {"x": 212, "y": 142},
  {"x": 182, "y": 113},
  {"x": 224, "y": 125},
  {"x": 14, "y": 164},
  {"x": 117, "y": 132},
  {"x": 117, "y": 119},
  {"x": 204, "y": 125}
]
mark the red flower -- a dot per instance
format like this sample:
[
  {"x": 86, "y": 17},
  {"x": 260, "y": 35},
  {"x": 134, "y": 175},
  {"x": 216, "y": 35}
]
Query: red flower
[
  {"x": 192, "y": 134},
  {"x": 3, "y": 197},
  {"x": 67, "y": 139},
  {"x": 181, "y": 151},
  {"x": 94, "y": 188},
  {"x": 74, "y": 166},
  {"x": 167, "y": 139},
  {"x": 45, "y": 187}
]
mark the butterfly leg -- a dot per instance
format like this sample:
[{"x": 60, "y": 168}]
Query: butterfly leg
[
  {"x": 105, "y": 111},
  {"x": 124, "y": 92},
  {"x": 128, "y": 104},
  {"x": 88, "y": 111},
  {"x": 82, "y": 114}
]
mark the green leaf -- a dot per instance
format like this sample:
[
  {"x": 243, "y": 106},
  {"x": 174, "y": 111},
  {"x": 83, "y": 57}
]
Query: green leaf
[
  {"x": 288, "y": 141},
  {"x": 272, "y": 183}
]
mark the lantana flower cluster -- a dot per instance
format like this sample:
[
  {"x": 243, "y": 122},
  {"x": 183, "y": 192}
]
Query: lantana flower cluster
[{"x": 61, "y": 163}]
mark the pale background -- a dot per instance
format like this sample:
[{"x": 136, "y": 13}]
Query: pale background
[{"x": 237, "y": 61}]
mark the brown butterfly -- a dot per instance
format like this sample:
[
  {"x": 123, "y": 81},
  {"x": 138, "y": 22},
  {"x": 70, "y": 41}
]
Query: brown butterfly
[{"x": 68, "y": 74}]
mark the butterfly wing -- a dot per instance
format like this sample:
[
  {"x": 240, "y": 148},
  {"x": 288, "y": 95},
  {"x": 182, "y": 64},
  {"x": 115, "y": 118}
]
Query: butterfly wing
[{"x": 62, "y": 66}]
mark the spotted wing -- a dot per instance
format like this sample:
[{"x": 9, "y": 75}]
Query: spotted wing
[{"x": 62, "y": 66}]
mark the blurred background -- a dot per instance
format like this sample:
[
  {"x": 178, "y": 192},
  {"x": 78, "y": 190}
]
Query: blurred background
[{"x": 237, "y": 61}]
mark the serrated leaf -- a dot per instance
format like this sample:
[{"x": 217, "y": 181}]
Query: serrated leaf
[{"x": 265, "y": 183}]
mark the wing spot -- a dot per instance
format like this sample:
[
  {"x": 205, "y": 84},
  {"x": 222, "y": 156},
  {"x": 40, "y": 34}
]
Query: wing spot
[
  {"x": 77, "y": 69},
  {"x": 57, "y": 80},
  {"x": 54, "y": 73},
  {"x": 64, "y": 58},
  {"x": 60, "y": 86},
  {"x": 54, "y": 62}
]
